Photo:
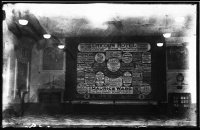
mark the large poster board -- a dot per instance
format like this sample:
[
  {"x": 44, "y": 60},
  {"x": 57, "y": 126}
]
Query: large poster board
[{"x": 114, "y": 68}]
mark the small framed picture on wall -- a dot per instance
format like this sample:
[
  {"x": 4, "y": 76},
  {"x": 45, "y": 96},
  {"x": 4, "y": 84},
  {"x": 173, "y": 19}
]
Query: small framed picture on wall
[
  {"x": 52, "y": 59},
  {"x": 177, "y": 58}
]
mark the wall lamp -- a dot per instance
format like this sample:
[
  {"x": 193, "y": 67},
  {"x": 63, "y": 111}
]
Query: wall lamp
[
  {"x": 167, "y": 35},
  {"x": 159, "y": 44},
  {"x": 61, "y": 46},
  {"x": 23, "y": 21},
  {"x": 47, "y": 36}
]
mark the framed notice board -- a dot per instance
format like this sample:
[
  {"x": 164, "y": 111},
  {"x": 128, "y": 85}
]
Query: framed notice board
[
  {"x": 177, "y": 58},
  {"x": 110, "y": 69},
  {"x": 52, "y": 59},
  {"x": 21, "y": 75}
]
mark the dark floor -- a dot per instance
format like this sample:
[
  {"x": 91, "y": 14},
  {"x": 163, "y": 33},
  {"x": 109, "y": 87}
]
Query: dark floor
[{"x": 101, "y": 116}]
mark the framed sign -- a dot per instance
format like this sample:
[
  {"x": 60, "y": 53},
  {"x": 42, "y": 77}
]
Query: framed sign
[
  {"x": 52, "y": 59},
  {"x": 177, "y": 58},
  {"x": 22, "y": 69}
]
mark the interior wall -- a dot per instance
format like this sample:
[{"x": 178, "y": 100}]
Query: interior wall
[
  {"x": 12, "y": 56},
  {"x": 40, "y": 77},
  {"x": 189, "y": 82},
  {"x": 9, "y": 40}
]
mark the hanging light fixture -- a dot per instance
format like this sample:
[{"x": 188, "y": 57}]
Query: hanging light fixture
[
  {"x": 22, "y": 21},
  {"x": 167, "y": 34},
  {"x": 159, "y": 44},
  {"x": 61, "y": 46},
  {"x": 47, "y": 36}
]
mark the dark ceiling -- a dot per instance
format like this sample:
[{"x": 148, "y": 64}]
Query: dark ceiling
[{"x": 75, "y": 20}]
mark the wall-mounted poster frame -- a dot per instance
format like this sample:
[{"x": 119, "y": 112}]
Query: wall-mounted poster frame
[
  {"x": 21, "y": 77},
  {"x": 52, "y": 60},
  {"x": 177, "y": 58},
  {"x": 105, "y": 61}
]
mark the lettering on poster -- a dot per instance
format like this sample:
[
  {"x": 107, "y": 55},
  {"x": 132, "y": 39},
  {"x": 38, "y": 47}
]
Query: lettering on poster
[
  {"x": 137, "y": 57},
  {"x": 146, "y": 57},
  {"x": 136, "y": 82},
  {"x": 137, "y": 76},
  {"x": 80, "y": 76},
  {"x": 90, "y": 78},
  {"x": 138, "y": 67},
  {"x": 113, "y": 81},
  {"x": 146, "y": 67},
  {"x": 80, "y": 67},
  {"x": 85, "y": 57},
  {"x": 110, "y": 90},
  {"x": 102, "y": 47},
  {"x": 113, "y": 54}
]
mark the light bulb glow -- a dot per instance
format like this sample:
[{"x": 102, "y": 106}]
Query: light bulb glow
[
  {"x": 61, "y": 46},
  {"x": 47, "y": 36},
  {"x": 23, "y": 22},
  {"x": 159, "y": 44},
  {"x": 167, "y": 35}
]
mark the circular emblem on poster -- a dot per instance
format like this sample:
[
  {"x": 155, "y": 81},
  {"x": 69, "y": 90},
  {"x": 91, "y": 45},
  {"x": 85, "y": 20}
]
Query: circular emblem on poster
[
  {"x": 99, "y": 79},
  {"x": 81, "y": 88},
  {"x": 100, "y": 57},
  {"x": 87, "y": 96},
  {"x": 127, "y": 57},
  {"x": 141, "y": 96},
  {"x": 113, "y": 64},
  {"x": 145, "y": 89}
]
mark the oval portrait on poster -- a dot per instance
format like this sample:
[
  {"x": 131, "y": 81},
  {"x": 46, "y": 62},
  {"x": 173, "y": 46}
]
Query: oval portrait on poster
[
  {"x": 127, "y": 79},
  {"x": 81, "y": 88},
  {"x": 100, "y": 57},
  {"x": 145, "y": 89},
  {"x": 113, "y": 64}
]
